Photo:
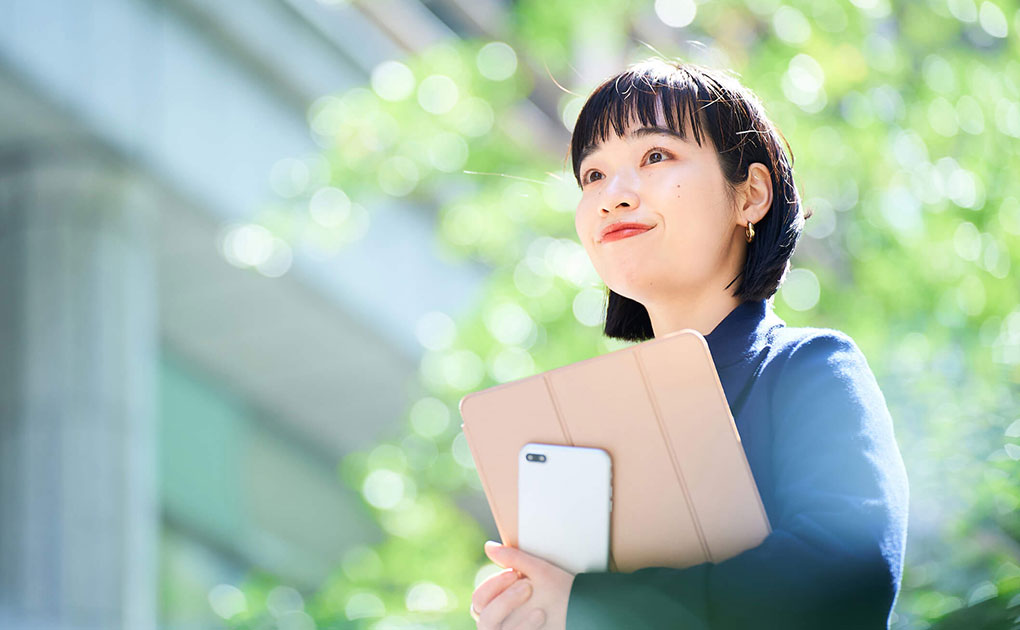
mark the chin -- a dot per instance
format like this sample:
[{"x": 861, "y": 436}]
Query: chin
[
  {"x": 635, "y": 292},
  {"x": 646, "y": 289}
]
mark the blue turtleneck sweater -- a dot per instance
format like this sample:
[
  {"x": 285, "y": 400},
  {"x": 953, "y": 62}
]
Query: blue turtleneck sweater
[{"x": 818, "y": 437}]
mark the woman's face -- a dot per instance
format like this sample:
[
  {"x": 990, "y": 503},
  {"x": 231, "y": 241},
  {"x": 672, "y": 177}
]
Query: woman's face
[{"x": 652, "y": 177}]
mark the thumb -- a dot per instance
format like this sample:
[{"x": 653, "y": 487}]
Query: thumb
[{"x": 506, "y": 556}]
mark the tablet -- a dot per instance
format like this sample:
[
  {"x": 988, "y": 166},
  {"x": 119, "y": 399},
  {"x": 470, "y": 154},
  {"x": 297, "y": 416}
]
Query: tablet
[{"x": 683, "y": 492}]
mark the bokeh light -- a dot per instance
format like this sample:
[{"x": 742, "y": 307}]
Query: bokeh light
[
  {"x": 790, "y": 25},
  {"x": 227, "y": 600},
  {"x": 436, "y": 330},
  {"x": 510, "y": 364},
  {"x": 528, "y": 281},
  {"x": 448, "y": 152},
  {"x": 289, "y": 177},
  {"x": 993, "y": 20},
  {"x": 427, "y": 597},
  {"x": 361, "y": 563},
  {"x": 253, "y": 245},
  {"x": 803, "y": 83},
  {"x": 295, "y": 620},
  {"x": 429, "y": 417},
  {"x": 589, "y": 307},
  {"x": 676, "y": 13},
  {"x": 801, "y": 290},
  {"x": 474, "y": 117},
  {"x": 437, "y": 94},
  {"x": 509, "y": 323},
  {"x": 329, "y": 207},
  {"x": 823, "y": 218},
  {"x": 963, "y": 10},
  {"x": 392, "y": 81},
  {"x": 462, "y": 452},
  {"x": 571, "y": 110},
  {"x": 497, "y": 61},
  {"x": 384, "y": 489},
  {"x": 284, "y": 599},
  {"x": 364, "y": 604}
]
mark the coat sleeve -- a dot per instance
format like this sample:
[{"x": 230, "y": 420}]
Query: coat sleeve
[{"x": 834, "y": 557}]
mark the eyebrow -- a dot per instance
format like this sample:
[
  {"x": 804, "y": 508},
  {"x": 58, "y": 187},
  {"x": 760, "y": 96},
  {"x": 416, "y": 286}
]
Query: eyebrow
[{"x": 637, "y": 133}]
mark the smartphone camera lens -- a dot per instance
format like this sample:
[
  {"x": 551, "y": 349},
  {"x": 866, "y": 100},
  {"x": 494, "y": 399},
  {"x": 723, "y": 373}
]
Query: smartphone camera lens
[{"x": 535, "y": 457}]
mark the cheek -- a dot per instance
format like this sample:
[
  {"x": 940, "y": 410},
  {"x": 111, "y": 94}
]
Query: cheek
[
  {"x": 586, "y": 225},
  {"x": 583, "y": 220}
]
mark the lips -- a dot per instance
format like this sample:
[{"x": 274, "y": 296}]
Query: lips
[{"x": 617, "y": 231}]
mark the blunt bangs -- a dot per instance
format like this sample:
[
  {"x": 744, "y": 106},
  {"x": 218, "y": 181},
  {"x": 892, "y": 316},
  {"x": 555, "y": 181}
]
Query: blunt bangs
[{"x": 637, "y": 94}]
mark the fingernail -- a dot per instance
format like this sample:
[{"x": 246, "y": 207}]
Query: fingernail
[
  {"x": 522, "y": 588},
  {"x": 491, "y": 543}
]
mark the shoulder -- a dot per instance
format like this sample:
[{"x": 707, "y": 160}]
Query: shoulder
[
  {"x": 796, "y": 348},
  {"x": 820, "y": 365}
]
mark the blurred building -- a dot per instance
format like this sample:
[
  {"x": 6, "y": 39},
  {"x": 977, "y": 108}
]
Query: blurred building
[{"x": 169, "y": 420}]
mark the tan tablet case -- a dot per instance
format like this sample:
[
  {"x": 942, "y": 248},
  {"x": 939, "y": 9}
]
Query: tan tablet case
[{"x": 683, "y": 492}]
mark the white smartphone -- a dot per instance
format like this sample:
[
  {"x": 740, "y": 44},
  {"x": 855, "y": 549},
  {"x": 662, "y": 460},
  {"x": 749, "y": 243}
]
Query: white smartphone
[{"x": 564, "y": 500}]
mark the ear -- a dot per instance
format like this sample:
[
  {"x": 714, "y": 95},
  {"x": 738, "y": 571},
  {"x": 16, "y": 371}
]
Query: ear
[{"x": 756, "y": 197}]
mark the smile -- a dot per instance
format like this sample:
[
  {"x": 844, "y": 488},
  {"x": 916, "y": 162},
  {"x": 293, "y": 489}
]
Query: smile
[{"x": 625, "y": 233}]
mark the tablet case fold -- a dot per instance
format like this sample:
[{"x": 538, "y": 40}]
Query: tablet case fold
[{"x": 683, "y": 492}]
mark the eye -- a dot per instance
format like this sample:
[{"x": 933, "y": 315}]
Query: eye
[
  {"x": 588, "y": 176},
  {"x": 663, "y": 154}
]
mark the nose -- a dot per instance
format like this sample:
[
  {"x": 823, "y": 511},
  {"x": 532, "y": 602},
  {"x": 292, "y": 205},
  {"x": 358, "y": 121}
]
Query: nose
[{"x": 621, "y": 193}]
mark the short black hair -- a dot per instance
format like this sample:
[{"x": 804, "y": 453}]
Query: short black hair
[{"x": 736, "y": 123}]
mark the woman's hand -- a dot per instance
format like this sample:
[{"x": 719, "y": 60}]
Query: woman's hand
[{"x": 530, "y": 594}]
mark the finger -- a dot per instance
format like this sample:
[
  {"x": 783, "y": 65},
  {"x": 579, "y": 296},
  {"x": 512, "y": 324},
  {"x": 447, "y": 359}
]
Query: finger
[
  {"x": 503, "y": 604},
  {"x": 506, "y": 556},
  {"x": 491, "y": 587},
  {"x": 532, "y": 621}
]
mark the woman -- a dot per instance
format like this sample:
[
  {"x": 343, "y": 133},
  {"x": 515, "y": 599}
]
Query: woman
[{"x": 685, "y": 158}]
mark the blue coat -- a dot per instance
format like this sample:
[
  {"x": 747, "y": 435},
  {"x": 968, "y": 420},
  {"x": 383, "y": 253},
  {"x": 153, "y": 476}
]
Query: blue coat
[{"x": 819, "y": 439}]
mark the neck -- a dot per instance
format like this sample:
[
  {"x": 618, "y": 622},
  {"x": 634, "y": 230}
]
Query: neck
[{"x": 701, "y": 313}]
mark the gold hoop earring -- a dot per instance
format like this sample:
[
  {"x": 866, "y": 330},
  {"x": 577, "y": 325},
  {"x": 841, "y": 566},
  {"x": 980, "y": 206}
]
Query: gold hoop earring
[{"x": 749, "y": 233}]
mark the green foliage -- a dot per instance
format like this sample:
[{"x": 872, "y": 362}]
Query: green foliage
[{"x": 904, "y": 120}]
